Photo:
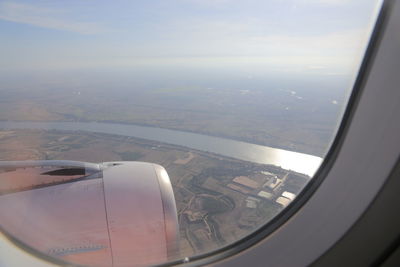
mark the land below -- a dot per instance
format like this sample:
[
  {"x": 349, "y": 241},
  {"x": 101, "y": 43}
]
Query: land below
[{"x": 219, "y": 199}]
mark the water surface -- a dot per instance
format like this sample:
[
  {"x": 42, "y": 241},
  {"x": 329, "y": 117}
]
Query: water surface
[{"x": 299, "y": 162}]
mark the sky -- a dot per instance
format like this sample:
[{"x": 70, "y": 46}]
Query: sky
[{"x": 326, "y": 36}]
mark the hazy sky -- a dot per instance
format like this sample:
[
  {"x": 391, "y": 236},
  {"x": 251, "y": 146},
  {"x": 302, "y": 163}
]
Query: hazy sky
[{"x": 304, "y": 35}]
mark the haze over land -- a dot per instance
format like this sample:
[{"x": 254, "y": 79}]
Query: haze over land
[
  {"x": 298, "y": 114},
  {"x": 274, "y": 73}
]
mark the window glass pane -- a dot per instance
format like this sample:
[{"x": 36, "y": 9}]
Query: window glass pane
[{"x": 140, "y": 132}]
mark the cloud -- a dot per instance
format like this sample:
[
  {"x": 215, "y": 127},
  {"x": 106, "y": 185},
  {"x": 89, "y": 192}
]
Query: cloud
[
  {"x": 253, "y": 37},
  {"x": 338, "y": 41},
  {"x": 209, "y": 3},
  {"x": 249, "y": 44},
  {"x": 44, "y": 18},
  {"x": 329, "y": 2}
]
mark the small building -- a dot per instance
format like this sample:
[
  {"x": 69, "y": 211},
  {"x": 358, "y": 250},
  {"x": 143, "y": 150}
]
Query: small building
[
  {"x": 254, "y": 198},
  {"x": 265, "y": 195},
  {"x": 283, "y": 201},
  {"x": 289, "y": 195},
  {"x": 246, "y": 181},
  {"x": 251, "y": 202},
  {"x": 273, "y": 183}
]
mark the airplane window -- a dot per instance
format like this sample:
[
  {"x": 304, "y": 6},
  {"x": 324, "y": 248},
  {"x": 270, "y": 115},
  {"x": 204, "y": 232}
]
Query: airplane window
[{"x": 135, "y": 133}]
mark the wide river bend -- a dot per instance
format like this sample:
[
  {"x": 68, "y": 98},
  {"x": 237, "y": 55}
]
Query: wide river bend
[{"x": 299, "y": 162}]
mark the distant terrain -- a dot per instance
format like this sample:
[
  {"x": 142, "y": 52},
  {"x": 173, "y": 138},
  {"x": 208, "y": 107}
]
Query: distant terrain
[{"x": 298, "y": 114}]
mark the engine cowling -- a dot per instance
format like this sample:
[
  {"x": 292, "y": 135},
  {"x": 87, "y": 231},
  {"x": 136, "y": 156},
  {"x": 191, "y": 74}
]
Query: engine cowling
[{"x": 109, "y": 214}]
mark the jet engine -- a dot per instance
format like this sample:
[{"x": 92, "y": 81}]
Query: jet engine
[{"x": 107, "y": 214}]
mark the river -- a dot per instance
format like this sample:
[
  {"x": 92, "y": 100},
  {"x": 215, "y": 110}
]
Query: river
[{"x": 299, "y": 162}]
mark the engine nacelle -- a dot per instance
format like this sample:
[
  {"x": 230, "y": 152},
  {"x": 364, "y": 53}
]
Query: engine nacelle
[{"x": 109, "y": 214}]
